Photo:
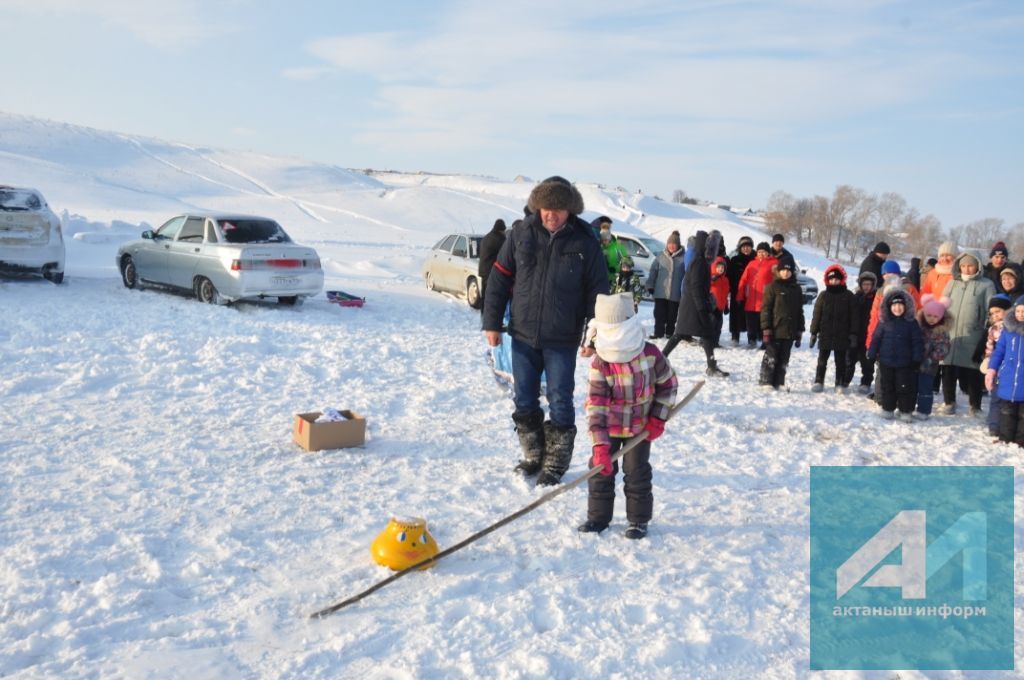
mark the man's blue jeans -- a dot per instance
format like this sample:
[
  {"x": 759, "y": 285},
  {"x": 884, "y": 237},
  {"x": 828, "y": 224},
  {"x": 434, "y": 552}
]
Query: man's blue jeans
[{"x": 559, "y": 364}]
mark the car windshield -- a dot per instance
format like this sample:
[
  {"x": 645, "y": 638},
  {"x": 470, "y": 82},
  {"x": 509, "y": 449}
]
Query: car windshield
[
  {"x": 252, "y": 231},
  {"x": 653, "y": 244},
  {"x": 19, "y": 200}
]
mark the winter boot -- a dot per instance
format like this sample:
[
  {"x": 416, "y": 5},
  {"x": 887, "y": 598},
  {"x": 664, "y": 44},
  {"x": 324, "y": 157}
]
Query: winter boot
[
  {"x": 592, "y": 527},
  {"x": 558, "y": 442},
  {"x": 818, "y": 387},
  {"x": 530, "y": 429},
  {"x": 636, "y": 530},
  {"x": 714, "y": 371}
]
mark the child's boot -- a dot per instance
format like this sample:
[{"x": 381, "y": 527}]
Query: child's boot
[
  {"x": 591, "y": 526},
  {"x": 636, "y": 530}
]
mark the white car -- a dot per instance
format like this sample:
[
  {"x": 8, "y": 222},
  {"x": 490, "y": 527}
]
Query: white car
[
  {"x": 31, "y": 241},
  {"x": 221, "y": 258},
  {"x": 643, "y": 250}
]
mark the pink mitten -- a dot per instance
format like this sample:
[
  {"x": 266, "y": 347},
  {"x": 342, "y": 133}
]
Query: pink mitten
[{"x": 602, "y": 456}]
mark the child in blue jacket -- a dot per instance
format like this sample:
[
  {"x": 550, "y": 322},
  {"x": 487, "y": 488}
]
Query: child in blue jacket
[
  {"x": 898, "y": 345},
  {"x": 1007, "y": 362}
]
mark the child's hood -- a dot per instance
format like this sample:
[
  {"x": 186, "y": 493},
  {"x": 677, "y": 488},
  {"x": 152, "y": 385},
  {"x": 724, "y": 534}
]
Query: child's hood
[
  {"x": 909, "y": 308},
  {"x": 1010, "y": 322}
]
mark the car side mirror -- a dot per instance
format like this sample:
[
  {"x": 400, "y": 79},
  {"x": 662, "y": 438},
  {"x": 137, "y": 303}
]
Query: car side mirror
[{"x": 147, "y": 234}]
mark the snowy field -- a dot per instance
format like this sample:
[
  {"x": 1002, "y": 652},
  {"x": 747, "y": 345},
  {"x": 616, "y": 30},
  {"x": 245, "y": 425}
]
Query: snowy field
[{"x": 156, "y": 519}]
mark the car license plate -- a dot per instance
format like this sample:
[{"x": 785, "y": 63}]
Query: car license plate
[{"x": 287, "y": 281}]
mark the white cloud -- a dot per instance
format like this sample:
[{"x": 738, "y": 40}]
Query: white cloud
[{"x": 166, "y": 24}]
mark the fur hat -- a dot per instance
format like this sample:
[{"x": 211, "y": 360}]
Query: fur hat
[
  {"x": 555, "y": 193},
  {"x": 891, "y": 267},
  {"x": 745, "y": 241},
  {"x": 999, "y": 247},
  {"x": 763, "y": 245},
  {"x": 867, "y": 276},
  {"x": 882, "y": 247},
  {"x": 613, "y": 308},
  {"x": 999, "y": 301},
  {"x": 947, "y": 248},
  {"x": 674, "y": 238}
]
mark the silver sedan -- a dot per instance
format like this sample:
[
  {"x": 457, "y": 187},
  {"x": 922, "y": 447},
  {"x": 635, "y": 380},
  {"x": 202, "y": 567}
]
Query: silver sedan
[{"x": 222, "y": 258}]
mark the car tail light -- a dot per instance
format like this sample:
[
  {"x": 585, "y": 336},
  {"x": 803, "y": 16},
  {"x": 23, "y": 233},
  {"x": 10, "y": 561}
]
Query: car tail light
[
  {"x": 241, "y": 265},
  {"x": 285, "y": 264}
]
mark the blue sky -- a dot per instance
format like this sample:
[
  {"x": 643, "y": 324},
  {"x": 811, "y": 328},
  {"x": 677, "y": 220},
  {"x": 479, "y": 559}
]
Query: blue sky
[{"x": 729, "y": 101}]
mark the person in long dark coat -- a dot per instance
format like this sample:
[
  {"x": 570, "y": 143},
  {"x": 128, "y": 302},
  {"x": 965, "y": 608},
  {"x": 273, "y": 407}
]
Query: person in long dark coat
[
  {"x": 489, "y": 247},
  {"x": 738, "y": 261},
  {"x": 696, "y": 306}
]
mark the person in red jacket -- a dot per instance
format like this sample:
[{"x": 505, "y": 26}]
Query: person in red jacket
[
  {"x": 719, "y": 291},
  {"x": 756, "y": 277}
]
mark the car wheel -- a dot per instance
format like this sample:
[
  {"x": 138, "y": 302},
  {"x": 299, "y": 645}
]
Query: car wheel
[
  {"x": 430, "y": 281},
  {"x": 129, "y": 275},
  {"x": 473, "y": 293},
  {"x": 55, "y": 277},
  {"x": 289, "y": 300},
  {"x": 206, "y": 291}
]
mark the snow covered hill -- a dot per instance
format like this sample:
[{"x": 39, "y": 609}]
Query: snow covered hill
[{"x": 156, "y": 519}]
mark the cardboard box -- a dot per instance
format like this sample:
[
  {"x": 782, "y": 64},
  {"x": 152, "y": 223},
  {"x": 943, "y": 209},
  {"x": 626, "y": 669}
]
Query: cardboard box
[{"x": 314, "y": 436}]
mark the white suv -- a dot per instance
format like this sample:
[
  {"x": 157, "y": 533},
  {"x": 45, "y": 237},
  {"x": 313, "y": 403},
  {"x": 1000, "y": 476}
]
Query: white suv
[{"x": 31, "y": 241}]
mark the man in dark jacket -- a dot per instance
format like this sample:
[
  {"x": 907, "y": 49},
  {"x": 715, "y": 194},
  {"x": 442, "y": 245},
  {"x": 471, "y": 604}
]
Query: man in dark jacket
[
  {"x": 557, "y": 269},
  {"x": 782, "y": 324},
  {"x": 998, "y": 260},
  {"x": 489, "y": 247},
  {"x": 875, "y": 259},
  {"x": 779, "y": 251},
  {"x": 696, "y": 306}
]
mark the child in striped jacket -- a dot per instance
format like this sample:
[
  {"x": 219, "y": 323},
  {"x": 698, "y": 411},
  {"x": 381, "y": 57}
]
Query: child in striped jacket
[{"x": 631, "y": 388}]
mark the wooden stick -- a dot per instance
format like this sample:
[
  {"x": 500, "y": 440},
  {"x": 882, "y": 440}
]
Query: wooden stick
[{"x": 554, "y": 493}]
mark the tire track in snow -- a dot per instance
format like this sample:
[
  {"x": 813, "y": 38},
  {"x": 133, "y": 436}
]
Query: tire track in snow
[{"x": 178, "y": 168}]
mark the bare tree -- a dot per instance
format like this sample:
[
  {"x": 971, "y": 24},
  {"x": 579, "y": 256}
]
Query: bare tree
[
  {"x": 778, "y": 213},
  {"x": 861, "y": 228},
  {"x": 679, "y": 196},
  {"x": 845, "y": 200},
  {"x": 1015, "y": 240}
]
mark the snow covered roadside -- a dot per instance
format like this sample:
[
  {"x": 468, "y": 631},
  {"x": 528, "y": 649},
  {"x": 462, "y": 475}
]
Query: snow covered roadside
[{"x": 156, "y": 520}]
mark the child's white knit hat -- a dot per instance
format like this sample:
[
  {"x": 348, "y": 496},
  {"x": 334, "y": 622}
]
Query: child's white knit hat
[{"x": 613, "y": 308}]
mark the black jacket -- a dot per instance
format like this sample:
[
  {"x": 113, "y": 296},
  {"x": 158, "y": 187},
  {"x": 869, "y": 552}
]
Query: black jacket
[
  {"x": 836, "y": 317},
  {"x": 555, "y": 279},
  {"x": 872, "y": 264},
  {"x": 696, "y": 310},
  {"x": 490, "y": 245},
  {"x": 782, "y": 309}
]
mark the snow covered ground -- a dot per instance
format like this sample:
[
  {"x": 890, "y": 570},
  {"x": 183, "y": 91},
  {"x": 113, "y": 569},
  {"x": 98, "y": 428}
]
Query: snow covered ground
[{"x": 156, "y": 519}]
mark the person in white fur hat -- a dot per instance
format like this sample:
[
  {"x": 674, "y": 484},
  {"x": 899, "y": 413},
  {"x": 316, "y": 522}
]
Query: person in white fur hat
[{"x": 632, "y": 388}]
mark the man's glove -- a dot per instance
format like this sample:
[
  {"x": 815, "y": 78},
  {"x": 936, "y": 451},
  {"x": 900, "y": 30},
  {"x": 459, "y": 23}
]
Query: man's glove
[
  {"x": 602, "y": 456},
  {"x": 798, "y": 339},
  {"x": 766, "y": 336},
  {"x": 655, "y": 428},
  {"x": 814, "y": 340}
]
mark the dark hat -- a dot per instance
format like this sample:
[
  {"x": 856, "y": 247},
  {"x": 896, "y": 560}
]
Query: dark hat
[
  {"x": 787, "y": 265},
  {"x": 897, "y": 297},
  {"x": 499, "y": 225},
  {"x": 555, "y": 193},
  {"x": 745, "y": 241},
  {"x": 999, "y": 247},
  {"x": 600, "y": 220},
  {"x": 778, "y": 237},
  {"x": 882, "y": 247},
  {"x": 763, "y": 245},
  {"x": 932, "y": 262},
  {"x": 674, "y": 238},
  {"x": 1000, "y": 301}
]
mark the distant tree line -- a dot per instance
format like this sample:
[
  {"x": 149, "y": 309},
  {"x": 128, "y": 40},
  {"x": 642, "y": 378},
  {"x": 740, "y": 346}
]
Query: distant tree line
[{"x": 848, "y": 224}]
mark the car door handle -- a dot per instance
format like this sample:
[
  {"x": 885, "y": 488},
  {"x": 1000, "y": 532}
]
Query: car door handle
[
  {"x": 195, "y": 250},
  {"x": 167, "y": 247}
]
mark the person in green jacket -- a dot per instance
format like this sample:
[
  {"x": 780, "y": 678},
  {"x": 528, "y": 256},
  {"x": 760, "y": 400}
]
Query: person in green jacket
[{"x": 613, "y": 253}]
